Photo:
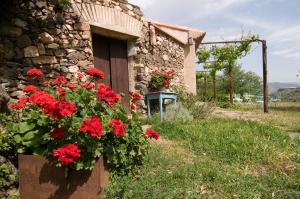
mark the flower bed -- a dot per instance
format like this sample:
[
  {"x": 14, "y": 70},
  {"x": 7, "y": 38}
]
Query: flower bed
[{"x": 78, "y": 122}]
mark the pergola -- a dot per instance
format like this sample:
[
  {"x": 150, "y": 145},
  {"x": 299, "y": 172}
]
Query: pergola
[{"x": 265, "y": 66}]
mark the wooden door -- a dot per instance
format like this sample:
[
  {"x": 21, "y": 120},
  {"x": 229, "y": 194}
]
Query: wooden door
[{"x": 110, "y": 56}]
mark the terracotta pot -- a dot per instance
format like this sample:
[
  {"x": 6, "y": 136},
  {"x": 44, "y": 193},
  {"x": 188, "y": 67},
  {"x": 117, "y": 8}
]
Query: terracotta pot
[
  {"x": 158, "y": 89},
  {"x": 41, "y": 179}
]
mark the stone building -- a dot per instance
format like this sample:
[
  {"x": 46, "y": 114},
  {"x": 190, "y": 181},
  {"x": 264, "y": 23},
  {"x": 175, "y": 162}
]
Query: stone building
[{"x": 112, "y": 35}]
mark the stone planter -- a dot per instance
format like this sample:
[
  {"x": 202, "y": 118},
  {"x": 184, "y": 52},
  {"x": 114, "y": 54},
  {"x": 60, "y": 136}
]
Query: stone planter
[{"x": 41, "y": 179}]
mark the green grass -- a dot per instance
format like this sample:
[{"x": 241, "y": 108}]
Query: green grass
[
  {"x": 216, "y": 158},
  {"x": 285, "y": 115}
]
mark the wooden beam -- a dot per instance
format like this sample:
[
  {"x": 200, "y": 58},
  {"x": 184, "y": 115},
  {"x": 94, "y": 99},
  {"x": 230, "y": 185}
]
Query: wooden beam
[{"x": 265, "y": 76}]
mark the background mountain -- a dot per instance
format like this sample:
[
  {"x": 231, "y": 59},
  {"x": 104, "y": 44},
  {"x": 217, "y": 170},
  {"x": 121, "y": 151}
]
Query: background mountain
[{"x": 275, "y": 86}]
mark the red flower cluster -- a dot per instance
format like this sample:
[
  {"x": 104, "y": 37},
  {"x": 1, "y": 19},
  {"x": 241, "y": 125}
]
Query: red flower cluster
[
  {"x": 87, "y": 85},
  {"x": 135, "y": 96},
  {"x": 67, "y": 154},
  {"x": 152, "y": 134},
  {"x": 58, "y": 133},
  {"x": 166, "y": 82},
  {"x": 133, "y": 107},
  {"x": 95, "y": 73},
  {"x": 169, "y": 74},
  {"x": 34, "y": 72},
  {"x": 21, "y": 104},
  {"x": 41, "y": 98},
  {"x": 80, "y": 75},
  {"x": 118, "y": 127},
  {"x": 59, "y": 109},
  {"x": 30, "y": 88},
  {"x": 71, "y": 86},
  {"x": 106, "y": 94},
  {"x": 93, "y": 126},
  {"x": 59, "y": 80},
  {"x": 46, "y": 83},
  {"x": 61, "y": 92}
]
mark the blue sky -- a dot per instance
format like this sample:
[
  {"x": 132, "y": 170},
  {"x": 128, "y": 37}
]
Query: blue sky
[{"x": 277, "y": 21}]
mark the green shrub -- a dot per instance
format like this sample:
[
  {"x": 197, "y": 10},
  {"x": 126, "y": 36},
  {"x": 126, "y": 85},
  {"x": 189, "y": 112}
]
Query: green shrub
[
  {"x": 194, "y": 103},
  {"x": 177, "y": 113}
]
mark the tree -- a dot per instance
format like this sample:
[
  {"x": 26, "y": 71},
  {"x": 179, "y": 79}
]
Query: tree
[
  {"x": 244, "y": 82},
  {"x": 225, "y": 57}
]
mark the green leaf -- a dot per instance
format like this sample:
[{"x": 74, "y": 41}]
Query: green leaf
[
  {"x": 17, "y": 139},
  {"x": 25, "y": 127},
  {"x": 30, "y": 135}
]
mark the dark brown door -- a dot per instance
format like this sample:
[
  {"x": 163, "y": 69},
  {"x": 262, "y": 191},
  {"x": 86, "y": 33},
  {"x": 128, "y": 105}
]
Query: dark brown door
[{"x": 110, "y": 56}]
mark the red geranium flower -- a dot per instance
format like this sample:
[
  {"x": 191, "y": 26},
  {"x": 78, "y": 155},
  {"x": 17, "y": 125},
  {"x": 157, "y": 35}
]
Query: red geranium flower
[
  {"x": 71, "y": 86},
  {"x": 67, "y": 153},
  {"x": 106, "y": 94},
  {"x": 58, "y": 133},
  {"x": 46, "y": 83},
  {"x": 34, "y": 72},
  {"x": 152, "y": 134},
  {"x": 21, "y": 103},
  {"x": 95, "y": 73},
  {"x": 62, "y": 92},
  {"x": 59, "y": 109},
  {"x": 80, "y": 75},
  {"x": 135, "y": 96},
  {"x": 166, "y": 82},
  {"x": 30, "y": 88},
  {"x": 87, "y": 85},
  {"x": 133, "y": 107},
  {"x": 59, "y": 80},
  {"x": 41, "y": 98},
  {"x": 93, "y": 126},
  {"x": 118, "y": 127}
]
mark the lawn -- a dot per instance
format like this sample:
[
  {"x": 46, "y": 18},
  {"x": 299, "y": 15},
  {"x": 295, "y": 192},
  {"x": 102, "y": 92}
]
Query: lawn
[
  {"x": 216, "y": 158},
  {"x": 285, "y": 115}
]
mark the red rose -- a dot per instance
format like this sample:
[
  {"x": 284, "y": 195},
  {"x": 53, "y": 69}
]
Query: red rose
[
  {"x": 95, "y": 73},
  {"x": 118, "y": 127},
  {"x": 152, "y": 134},
  {"x": 34, "y": 72},
  {"x": 135, "y": 96},
  {"x": 59, "y": 80},
  {"x": 93, "y": 126},
  {"x": 106, "y": 94},
  {"x": 87, "y": 85},
  {"x": 71, "y": 86},
  {"x": 30, "y": 88},
  {"x": 58, "y": 133},
  {"x": 67, "y": 153},
  {"x": 62, "y": 92}
]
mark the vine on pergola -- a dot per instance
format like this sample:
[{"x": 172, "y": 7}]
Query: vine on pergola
[{"x": 217, "y": 58}]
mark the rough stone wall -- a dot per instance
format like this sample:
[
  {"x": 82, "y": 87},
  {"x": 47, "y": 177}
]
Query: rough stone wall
[
  {"x": 59, "y": 42},
  {"x": 44, "y": 36},
  {"x": 166, "y": 54}
]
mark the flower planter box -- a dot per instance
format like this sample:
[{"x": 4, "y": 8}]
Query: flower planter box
[{"x": 41, "y": 179}]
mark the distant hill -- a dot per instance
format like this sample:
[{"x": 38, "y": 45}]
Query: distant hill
[
  {"x": 275, "y": 86},
  {"x": 288, "y": 94}
]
